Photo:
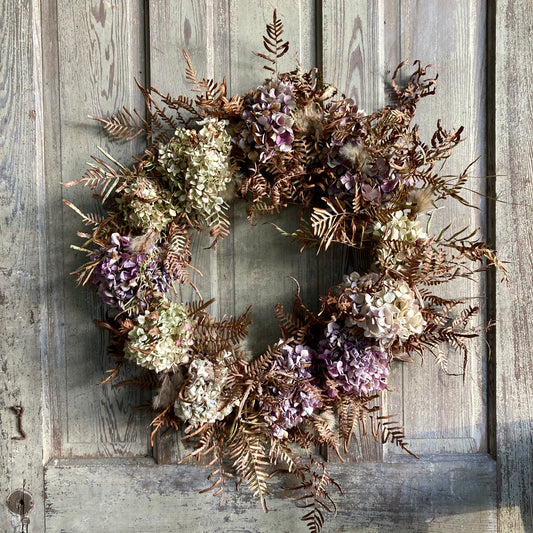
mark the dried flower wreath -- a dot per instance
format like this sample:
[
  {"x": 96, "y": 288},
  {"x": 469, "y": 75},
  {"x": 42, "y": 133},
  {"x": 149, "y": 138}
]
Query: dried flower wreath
[{"x": 362, "y": 180}]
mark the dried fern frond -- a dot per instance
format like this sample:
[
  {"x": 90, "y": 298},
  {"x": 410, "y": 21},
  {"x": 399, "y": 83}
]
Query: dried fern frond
[
  {"x": 125, "y": 125},
  {"x": 273, "y": 44}
]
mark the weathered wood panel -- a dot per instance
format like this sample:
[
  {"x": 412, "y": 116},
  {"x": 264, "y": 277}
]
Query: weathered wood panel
[
  {"x": 175, "y": 26},
  {"x": 514, "y": 332},
  {"x": 435, "y": 495},
  {"x": 363, "y": 42},
  {"x": 253, "y": 264},
  {"x": 444, "y": 414},
  {"x": 199, "y": 28},
  {"x": 91, "y": 53},
  {"x": 352, "y": 60},
  {"x": 100, "y": 50},
  {"x": 22, "y": 268},
  {"x": 263, "y": 259}
]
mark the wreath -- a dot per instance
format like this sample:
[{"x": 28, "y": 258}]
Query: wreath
[{"x": 363, "y": 181}]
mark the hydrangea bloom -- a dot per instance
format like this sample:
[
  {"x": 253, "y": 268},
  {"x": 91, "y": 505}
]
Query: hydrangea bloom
[
  {"x": 399, "y": 228},
  {"x": 161, "y": 340},
  {"x": 267, "y": 121},
  {"x": 196, "y": 166},
  {"x": 353, "y": 165},
  {"x": 390, "y": 313},
  {"x": 356, "y": 366},
  {"x": 201, "y": 400},
  {"x": 148, "y": 206},
  {"x": 290, "y": 405},
  {"x": 116, "y": 277}
]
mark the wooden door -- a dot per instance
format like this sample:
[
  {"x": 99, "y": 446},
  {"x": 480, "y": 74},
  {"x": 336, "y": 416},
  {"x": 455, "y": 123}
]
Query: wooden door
[{"x": 86, "y": 459}]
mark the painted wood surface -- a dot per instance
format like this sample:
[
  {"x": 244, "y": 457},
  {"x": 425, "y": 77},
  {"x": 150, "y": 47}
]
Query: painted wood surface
[
  {"x": 450, "y": 36},
  {"x": 99, "y": 54},
  {"x": 22, "y": 264},
  {"x": 438, "y": 494},
  {"x": 363, "y": 42},
  {"x": 514, "y": 329},
  {"x": 90, "y": 52}
]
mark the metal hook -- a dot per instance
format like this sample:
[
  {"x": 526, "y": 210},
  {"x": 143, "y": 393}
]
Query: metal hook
[{"x": 19, "y": 410}]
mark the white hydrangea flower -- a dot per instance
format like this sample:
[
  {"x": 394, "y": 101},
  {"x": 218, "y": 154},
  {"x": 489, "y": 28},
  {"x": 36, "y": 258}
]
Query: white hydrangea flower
[
  {"x": 161, "y": 340},
  {"x": 399, "y": 228},
  {"x": 197, "y": 166},
  {"x": 149, "y": 209},
  {"x": 201, "y": 400},
  {"x": 391, "y": 313}
]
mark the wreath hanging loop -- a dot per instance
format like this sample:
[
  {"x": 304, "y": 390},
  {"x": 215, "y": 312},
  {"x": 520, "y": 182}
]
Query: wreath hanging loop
[{"x": 364, "y": 181}]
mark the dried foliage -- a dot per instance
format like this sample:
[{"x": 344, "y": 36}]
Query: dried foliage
[{"x": 363, "y": 181}]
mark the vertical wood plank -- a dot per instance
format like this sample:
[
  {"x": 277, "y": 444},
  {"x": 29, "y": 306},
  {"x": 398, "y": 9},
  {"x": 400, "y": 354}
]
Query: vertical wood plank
[
  {"x": 176, "y": 26},
  {"x": 451, "y": 36},
  {"x": 263, "y": 259},
  {"x": 99, "y": 53},
  {"x": 251, "y": 261},
  {"x": 353, "y": 45},
  {"x": 193, "y": 26},
  {"x": 22, "y": 287},
  {"x": 514, "y": 332}
]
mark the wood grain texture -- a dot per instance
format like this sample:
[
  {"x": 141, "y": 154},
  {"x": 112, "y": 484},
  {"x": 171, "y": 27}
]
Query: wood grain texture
[
  {"x": 514, "y": 330},
  {"x": 444, "y": 413},
  {"x": 434, "y": 495},
  {"x": 363, "y": 42},
  {"x": 195, "y": 27},
  {"x": 253, "y": 264},
  {"x": 264, "y": 260},
  {"x": 91, "y": 51},
  {"x": 352, "y": 60},
  {"x": 99, "y": 53},
  {"x": 176, "y": 26},
  {"x": 22, "y": 274}
]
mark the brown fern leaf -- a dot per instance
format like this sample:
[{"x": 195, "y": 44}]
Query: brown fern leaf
[
  {"x": 273, "y": 44},
  {"x": 250, "y": 460},
  {"x": 291, "y": 325},
  {"x": 327, "y": 434},
  {"x": 215, "y": 335},
  {"x": 112, "y": 373},
  {"x": 315, "y": 484},
  {"x": 219, "y": 231},
  {"x": 260, "y": 365},
  {"x": 213, "y": 94},
  {"x": 206, "y": 443},
  {"x": 385, "y": 429},
  {"x": 125, "y": 125},
  {"x": 179, "y": 105},
  {"x": 159, "y": 117},
  {"x": 166, "y": 418},
  {"x": 178, "y": 253}
]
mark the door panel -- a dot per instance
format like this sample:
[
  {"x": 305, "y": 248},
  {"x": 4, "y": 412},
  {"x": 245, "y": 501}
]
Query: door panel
[
  {"x": 101, "y": 474},
  {"x": 100, "y": 52},
  {"x": 450, "y": 494},
  {"x": 23, "y": 259},
  {"x": 357, "y": 53}
]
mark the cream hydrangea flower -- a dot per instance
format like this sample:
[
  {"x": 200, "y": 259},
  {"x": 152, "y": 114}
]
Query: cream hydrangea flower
[
  {"x": 197, "y": 166},
  {"x": 399, "y": 228},
  {"x": 389, "y": 314},
  {"x": 147, "y": 207},
  {"x": 161, "y": 340},
  {"x": 201, "y": 400}
]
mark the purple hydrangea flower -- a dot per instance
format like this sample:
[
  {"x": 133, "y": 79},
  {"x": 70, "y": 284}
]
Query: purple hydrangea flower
[
  {"x": 350, "y": 162},
  {"x": 356, "y": 366},
  {"x": 116, "y": 277},
  {"x": 287, "y": 407},
  {"x": 267, "y": 127}
]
